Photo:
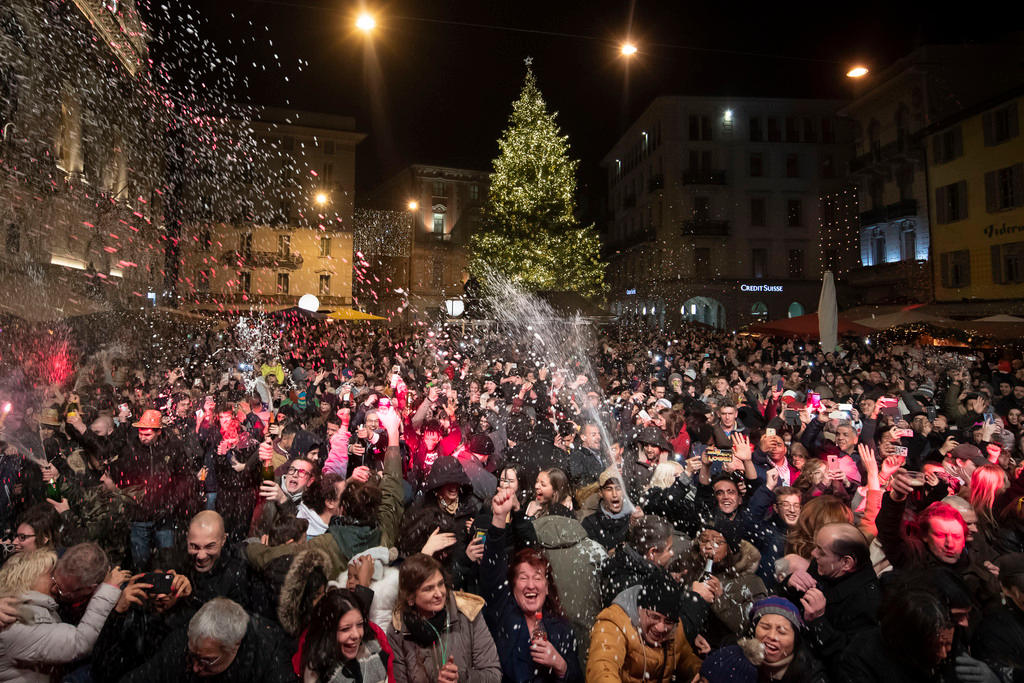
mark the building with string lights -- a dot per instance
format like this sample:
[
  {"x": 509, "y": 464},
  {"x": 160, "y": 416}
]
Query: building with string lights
[
  {"x": 419, "y": 272},
  {"x": 80, "y": 175},
  {"x": 715, "y": 210},
  {"x": 976, "y": 173},
  {"x": 893, "y": 113}
]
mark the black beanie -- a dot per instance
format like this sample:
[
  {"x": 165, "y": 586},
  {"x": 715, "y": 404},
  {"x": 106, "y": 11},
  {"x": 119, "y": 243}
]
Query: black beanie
[
  {"x": 731, "y": 532},
  {"x": 659, "y": 592}
]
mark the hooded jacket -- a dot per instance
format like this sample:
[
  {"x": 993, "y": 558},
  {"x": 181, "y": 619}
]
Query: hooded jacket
[
  {"x": 31, "y": 648},
  {"x": 575, "y": 563},
  {"x": 289, "y": 603},
  {"x": 618, "y": 652},
  {"x": 467, "y": 639},
  {"x": 741, "y": 588}
]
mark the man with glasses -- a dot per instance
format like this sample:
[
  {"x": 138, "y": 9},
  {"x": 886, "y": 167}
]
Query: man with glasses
[{"x": 223, "y": 641}]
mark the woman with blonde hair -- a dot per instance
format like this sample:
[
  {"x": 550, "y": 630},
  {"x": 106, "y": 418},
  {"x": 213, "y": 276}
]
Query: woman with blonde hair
[
  {"x": 21, "y": 572},
  {"x": 665, "y": 474}
]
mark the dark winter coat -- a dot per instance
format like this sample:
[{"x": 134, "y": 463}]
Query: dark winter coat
[
  {"x": 609, "y": 531},
  {"x": 264, "y": 656},
  {"x": 867, "y": 660},
  {"x": 851, "y": 607},
  {"x": 129, "y": 638},
  {"x": 999, "y": 642},
  {"x": 585, "y": 466},
  {"x": 508, "y": 623},
  {"x": 158, "y": 470},
  {"x": 766, "y": 532},
  {"x": 229, "y": 578}
]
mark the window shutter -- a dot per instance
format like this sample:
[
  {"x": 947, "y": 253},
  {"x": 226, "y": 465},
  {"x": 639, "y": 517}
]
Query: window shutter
[
  {"x": 958, "y": 143},
  {"x": 937, "y": 156},
  {"x": 1017, "y": 181},
  {"x": 988, "y": 128},
  {"x": 991, "y": 192},
  {"x": 945, "y": 270},
  {"x": 961, "y": 191},
  {"x": 941, "y": 206},
  {"x": 1014, "y": 126},
  {"x": 997, "y": 264}
]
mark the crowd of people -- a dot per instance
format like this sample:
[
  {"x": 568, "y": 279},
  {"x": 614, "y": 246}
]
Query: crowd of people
[{"x": 435, "y": 506}]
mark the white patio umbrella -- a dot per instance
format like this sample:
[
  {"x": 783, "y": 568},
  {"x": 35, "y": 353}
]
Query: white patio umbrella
[{"x": 828, "y": 313}]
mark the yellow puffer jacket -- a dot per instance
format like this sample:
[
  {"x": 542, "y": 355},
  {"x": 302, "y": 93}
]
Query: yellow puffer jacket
[{"x": 619, "y": 653}]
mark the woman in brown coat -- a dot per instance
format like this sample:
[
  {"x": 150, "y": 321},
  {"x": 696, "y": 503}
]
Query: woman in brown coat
[{"x": 438, "y": 635}]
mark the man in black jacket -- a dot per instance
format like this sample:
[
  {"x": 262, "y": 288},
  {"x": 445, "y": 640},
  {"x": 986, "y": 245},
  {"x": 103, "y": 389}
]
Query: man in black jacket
[
  {"x": 222, "y": 641},
  {"x": 216, "y": 569},
  {"x": 610, "y": 523},
  {"x": 847, "y": 595}
]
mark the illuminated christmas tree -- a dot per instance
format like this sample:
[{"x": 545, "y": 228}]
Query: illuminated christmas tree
[{"x": 530, "y": 234}]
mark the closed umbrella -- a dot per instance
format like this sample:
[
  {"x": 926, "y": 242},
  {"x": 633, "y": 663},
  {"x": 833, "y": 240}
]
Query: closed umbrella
[{"x": 828, "y": 314}]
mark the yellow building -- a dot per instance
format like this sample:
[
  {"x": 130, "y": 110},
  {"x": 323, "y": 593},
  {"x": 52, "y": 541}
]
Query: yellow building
[{"x": 976, "y": 199}]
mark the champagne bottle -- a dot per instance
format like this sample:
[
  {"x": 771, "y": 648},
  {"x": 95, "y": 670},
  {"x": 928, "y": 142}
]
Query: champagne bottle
[
  {"x": 53, "y": 491},
  {"x": 707, "y": 571}
]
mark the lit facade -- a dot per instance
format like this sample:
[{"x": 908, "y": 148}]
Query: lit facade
[
  {"x": 715, "y": 212},
  {"x": 443, "y": 207},
  {"x": 892, "y": 114},
  {"x": 279, "y": 226},
  {"x": 81, "y": 159},
  {"x": 976, "y": 194}
]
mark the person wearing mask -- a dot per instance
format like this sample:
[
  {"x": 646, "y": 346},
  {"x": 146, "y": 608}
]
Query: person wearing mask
[
  {"x": 39, "y": 641},
  {"x": 222, "y": 642},
  {"x": 639, "y": 637},
  {"x": 438, "y": 634},
  {"x": 534, "y": 639}
]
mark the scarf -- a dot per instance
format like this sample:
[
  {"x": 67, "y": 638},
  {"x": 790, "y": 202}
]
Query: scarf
[
  {"x": 450, "y": 508},
  {"x": 425, "y": 632},
  {"x": 371, "y": 668}
]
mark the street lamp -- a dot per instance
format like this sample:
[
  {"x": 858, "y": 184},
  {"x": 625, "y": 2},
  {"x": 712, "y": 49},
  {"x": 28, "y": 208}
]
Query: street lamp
[
  {"x": 857, "y": 72},
  {"x": 365, "y": 22},
  {"x": 321, "y": 198},
  {"x": 628, "y": 49},
  {"x": 413, "y": 205}
]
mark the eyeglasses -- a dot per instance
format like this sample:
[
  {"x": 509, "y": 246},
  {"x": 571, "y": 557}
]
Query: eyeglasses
[
  {"x": 296, "y": 472},
  {"x": 201, "y": 663},
  {"x": 23, "y": 537},
  {"x": 788, "y": 506}
]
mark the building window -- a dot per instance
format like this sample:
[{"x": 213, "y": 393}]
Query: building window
[
  {"x": 758, "y": 262},
  {"x": 810, "y": 135},
  {"x": 1008, "y": 263},
  {"x": 440, "y": 189},
  {"x": 796, "y": 263},
  {"x": 794, "y": 213},
  {"x": 792, "y": 129},
  {"x": 325, "y": 246},
  {"x": 325, "y": 284},
  {"x": 474, "y": 192},
  {"x": 700, "y": 160},
  {"x": 756, "y": 132},
  {"x": 774, "y": 134},
  {"x": 439, "y": 223},
  {"x": 759, "y": 310},
  {"x": 329, "y": 147},
  {"x": 951, "y": 202},
  {"x": 245, "y": 245},
  {"x": 1004, "y": 188},
  {"x": 328, "y": 173},
  {"x": 878, "y": 249},
  {"x": 282, "y": 283},
  {"x": 796, "y": 309},
  {"x": 948, "y": 145},
  {"x": 956, "y": 268},
  {"x": 758, "y": 212},
  {"x": 756, "y": 165},
  {"x": 700, "y": 127},
  {"x": 909, "y": 245},
  {"x": 792, "y": 166},
  {"x": 701, "y": 208},
  {"x": 284, "y": 245},
  {"x": 244, "y": 282},
  {"x": 828, "y": 166},
  {"x": 13, "y": 239},
  {"x": 905, "y": 181},
  {"x": 702, "y": 263},
  {"x": 828, "y": 131},
  {"x": 1000, "y": 125}
]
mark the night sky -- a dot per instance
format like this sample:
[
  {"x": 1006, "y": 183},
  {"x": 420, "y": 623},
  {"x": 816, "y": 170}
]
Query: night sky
[{"x": 434, "y": 88}]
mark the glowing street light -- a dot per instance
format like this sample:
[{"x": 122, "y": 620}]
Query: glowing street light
[
  {"x": 413, "y": 205},
  {"x": 365, "y": 22},
  {"x": 628, "y": 49},
  {"x": 857, "y": 72},
  {"x": 321, "y": 198}
]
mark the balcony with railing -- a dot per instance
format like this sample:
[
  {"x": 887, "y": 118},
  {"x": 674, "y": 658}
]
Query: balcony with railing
[
  {"x": 703, "y": 177},
  {"x": 262, "y": 259},
  {"x": 705, "y": 227}
]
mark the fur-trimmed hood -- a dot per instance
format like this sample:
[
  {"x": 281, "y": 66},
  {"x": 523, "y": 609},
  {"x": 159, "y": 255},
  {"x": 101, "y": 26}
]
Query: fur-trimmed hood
[
  {"x": 470, "y": 605},
  {"x": 294, "y": 586}
]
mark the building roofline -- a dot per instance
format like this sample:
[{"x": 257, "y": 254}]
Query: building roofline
[{"x": 974, "y": 110}]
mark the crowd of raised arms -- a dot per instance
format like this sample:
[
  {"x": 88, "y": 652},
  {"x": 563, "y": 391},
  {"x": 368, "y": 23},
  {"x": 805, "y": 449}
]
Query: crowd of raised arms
[{"x": 440, "y": 506}]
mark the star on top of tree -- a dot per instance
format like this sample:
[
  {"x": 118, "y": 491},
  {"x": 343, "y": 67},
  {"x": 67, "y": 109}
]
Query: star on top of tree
[{"x": 528, "y": 61}]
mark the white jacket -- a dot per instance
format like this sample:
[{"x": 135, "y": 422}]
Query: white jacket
[{"x": 39, "y": 641}]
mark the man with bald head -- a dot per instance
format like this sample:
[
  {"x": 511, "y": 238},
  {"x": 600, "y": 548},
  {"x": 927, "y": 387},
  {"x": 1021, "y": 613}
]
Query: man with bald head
[
  {"x": 100, "y": 443},
  {"x": 847, "y": 595},
  {"x": 216, "y": 569}
]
